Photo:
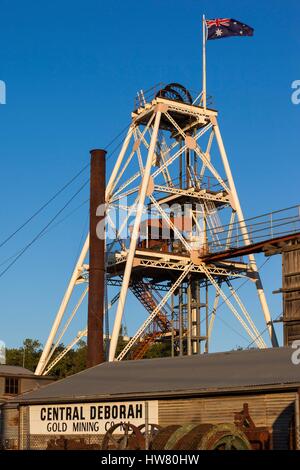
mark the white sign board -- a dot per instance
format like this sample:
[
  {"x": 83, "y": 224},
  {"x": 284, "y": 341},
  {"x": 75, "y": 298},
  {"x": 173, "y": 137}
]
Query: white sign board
[{"x": 88, "y": 418}]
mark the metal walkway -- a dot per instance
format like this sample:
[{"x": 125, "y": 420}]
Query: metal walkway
[{"x": 265, "y": 231}]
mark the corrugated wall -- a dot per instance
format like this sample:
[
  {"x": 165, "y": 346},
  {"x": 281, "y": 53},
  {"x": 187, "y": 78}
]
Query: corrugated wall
[
  {"x": 24, "y": 436},
  {"x": 10, "y": 428},
  {"x": 291, "y": 292},
  {"x": 273, "y": 410}
]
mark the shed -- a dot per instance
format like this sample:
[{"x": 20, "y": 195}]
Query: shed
[{"x": 207, "y": 388}]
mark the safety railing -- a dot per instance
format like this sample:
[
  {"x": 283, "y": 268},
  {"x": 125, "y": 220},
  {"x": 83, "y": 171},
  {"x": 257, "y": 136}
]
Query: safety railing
[
  {"x": 268, "y": 226},
  {"x": 219, "y": 238}
]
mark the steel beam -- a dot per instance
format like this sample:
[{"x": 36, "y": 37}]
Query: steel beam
[
  {"x": 134, "y": 238},
  {"x": 233, "y": 191}
]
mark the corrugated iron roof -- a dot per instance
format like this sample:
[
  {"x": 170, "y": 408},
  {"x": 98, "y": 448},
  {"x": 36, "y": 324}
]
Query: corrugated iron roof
[
  {"x": 14, "y": 370},
  {"x": 204, "y": 373}
]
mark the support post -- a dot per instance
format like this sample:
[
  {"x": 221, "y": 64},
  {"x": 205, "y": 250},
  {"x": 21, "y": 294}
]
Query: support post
[
  {"x": 172, "y": 325},
  {"x": 134, "y": 238},
  {"x": 180, "y": 320},
  {"x": 146, "y": 425},
  {"x": 204, "y": 61},
  {"x": 213, "y": 316},
  {"x": 95, "y": 347},
  {"x": 189, "y": 317},
  {"x": 44, "y": 357},
  {"x": 195, "y": 314},
  {"x": 258, "y": 283},
  {"x": 297, "y": 420},
  {"x": 118, "y": 163},
  {"x": 206, "y": 316}
]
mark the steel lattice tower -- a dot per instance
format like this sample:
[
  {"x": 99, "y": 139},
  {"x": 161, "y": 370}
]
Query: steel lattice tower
[{"x": 172, "y": 176}]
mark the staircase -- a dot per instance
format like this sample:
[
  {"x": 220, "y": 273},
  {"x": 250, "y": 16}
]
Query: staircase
[{"x": 161, "y": 323}]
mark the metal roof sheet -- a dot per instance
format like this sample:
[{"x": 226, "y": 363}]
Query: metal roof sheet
[
  {"x": 14, "y": 370},
  {"x": 214, "y": 371}
]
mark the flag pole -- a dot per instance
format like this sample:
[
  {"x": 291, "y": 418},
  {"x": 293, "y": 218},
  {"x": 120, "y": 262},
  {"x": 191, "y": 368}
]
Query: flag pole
[{"x": 204, "y": 62}]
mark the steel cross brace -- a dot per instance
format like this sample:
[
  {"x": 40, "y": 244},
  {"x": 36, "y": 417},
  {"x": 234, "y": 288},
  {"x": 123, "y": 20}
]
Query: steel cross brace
[{"x": 154, "y": 313}]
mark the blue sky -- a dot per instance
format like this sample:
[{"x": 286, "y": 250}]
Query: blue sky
[{"x": 72, "y": 69}]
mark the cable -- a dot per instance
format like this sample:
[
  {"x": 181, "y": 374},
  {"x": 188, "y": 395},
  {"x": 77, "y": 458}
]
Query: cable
[
  {"x": 43, "y": 206},
  {"x": 81, "y": 240},
  {"x": 116, "y": 138},
  {"x": 49, "y": 229},
  {"x": 228, "y": 297},
  {"x": 114, "y": 150},
  {"x": 260, "y": 334},
  {"x": 43, "y": 230},
  {"x": 36, "y": 213},
  {"x": 66, "y": 217},
  {"x": 232, "y": 328},
  {"x": 240, "y": 286}
]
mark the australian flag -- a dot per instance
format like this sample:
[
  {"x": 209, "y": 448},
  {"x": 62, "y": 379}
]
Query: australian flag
[{"x": 226, "y": 27}]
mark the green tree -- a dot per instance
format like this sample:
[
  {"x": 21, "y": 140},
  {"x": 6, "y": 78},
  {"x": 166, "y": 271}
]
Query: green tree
[
  {"x": 74, "y": 360},
  {"x": 26, "y": 356},
  {"x": 162, "y": 349}
]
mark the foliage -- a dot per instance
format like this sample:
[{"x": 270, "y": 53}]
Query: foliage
[
  {"x": 74, "y": 361},
  {"x": 159, "y": 350},
  {"x": 28, "y": 356}
]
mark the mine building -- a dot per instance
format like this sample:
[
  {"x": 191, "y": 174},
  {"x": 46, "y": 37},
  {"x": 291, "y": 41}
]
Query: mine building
[
  {"x": 15, "y": 380},
  {"x": 258, "y": 388}
]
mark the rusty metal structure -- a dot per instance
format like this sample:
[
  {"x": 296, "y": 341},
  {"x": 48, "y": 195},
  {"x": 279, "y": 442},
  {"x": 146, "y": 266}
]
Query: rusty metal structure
[
  {"x": 131, "y": 438},
  {"x": 95, "y": 346},
  {"x": 242, "y": 434},
  {"x": 259, "y": 437}
]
